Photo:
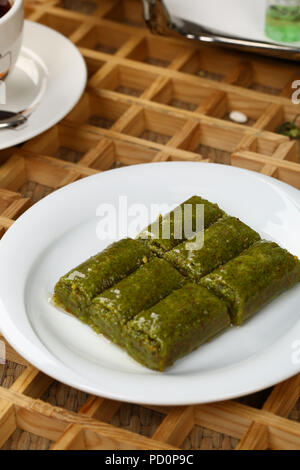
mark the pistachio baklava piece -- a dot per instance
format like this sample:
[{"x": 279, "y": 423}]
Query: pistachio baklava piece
[
  {"x": 222, "y": 241},
  {"x": 249, "y": 281},
  {"x": 180, "y": 224},
  {"x": 75, "y": 290},
  {"x": 111, "y": 310},
  {"x": 176, "y": 326}
]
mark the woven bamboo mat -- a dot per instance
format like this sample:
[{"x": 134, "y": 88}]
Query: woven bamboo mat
[{"x": 148, "y": 99}]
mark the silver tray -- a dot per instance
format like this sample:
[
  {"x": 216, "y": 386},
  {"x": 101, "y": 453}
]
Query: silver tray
[{"x": 160, "y": 21}]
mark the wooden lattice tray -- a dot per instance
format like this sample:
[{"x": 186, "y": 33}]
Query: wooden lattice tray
[{"x": 148, "y": 99}]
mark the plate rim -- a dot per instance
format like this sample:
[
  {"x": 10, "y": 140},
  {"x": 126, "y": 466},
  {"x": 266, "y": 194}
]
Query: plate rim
[{"x": 124, "y": 395}]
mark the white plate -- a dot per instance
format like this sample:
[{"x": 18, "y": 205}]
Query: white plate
[
  {"x": 241, "y": 18},
  {"x": 59, "y": 232},
  {"x": 50, "y": 76}
]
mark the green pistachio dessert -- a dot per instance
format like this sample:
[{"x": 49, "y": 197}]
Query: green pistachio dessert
[
  {"x": 166, "y": 232},
  {"x": 111, "y": 310},
  {"x": 223, "y": 240},
  {"x": 175, "y": 326},
  {"x": 258, "y": 275},
  {"x": 161, "y": 295},
  {"x": 75, "y": 290}
]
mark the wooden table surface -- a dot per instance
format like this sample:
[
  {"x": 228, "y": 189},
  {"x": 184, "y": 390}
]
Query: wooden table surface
[{"x": 131, "y": 417}]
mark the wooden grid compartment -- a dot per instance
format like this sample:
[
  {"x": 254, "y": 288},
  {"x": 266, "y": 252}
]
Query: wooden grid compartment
[
  {"x": 84, "y": 152},
  {"x": 58, "y": 394},
  {"x": 120, "y": 153},
  {"x": 148, "y": 99},
  {"x": 294, "y": 414},
  {"x": 104, "y": 39},
  {"x": 28, "y": 176},
  {"x": 12, "y": 205},
  {"x": 235, "y": 102},
  {"x": 155, "y": 51},
  {"x": 259, "y": 74},
  {"x": 211, "y": 143},
  {"x": 279, "y": 115},
  {"x": 9, "y": 373},
  {"x": 139, "y": 419},
  {"x": 127, "y": 80},
  {"x": 93, "y": 65},
  {"x": 86, "y": 7},
  {"x": 200, "y": 64},
  {"x": 150, "y": 125},
  {"x": 127, "y": 12},
  {"x": 63, "y": 25},
  {"x": 59, "y": 142},
  {"x": 175, "y": 93},
  {"x": 98, "y": 112}
]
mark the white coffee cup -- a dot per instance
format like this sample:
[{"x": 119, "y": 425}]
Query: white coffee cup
[{"x": 11, "y": 30}]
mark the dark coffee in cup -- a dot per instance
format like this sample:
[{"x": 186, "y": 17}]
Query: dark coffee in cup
[{"x": 5, "y": 6}]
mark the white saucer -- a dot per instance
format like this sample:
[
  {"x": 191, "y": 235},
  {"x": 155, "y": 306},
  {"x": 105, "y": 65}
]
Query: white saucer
[{"x": 50, "y": 76}]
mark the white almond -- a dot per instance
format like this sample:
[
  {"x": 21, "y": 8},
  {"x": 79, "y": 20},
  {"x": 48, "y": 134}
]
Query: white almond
[{"x": 238, "y": 116}]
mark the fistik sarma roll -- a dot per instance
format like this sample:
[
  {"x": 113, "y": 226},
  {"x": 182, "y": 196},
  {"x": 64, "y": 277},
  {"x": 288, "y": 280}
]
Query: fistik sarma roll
[
  {"x": 175, "y": 326},
  {"x": 168, "y": 231},
  {"x": 223, "y": 240},
  {"x": 75, "y": 290},
  {"x": 258, "y": 275},
  {"x": 111, "y": 310}
]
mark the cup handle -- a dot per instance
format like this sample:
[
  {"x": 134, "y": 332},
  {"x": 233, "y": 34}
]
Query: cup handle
[{"x": 5, "y": 65}]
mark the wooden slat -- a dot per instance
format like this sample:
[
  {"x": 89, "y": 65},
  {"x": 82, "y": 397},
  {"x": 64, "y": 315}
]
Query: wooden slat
[
  {"x": 214, "y": 81},
  {"x": 99, "y": 408},
  {"x": 30, "y": 382},
  {"x": 41, "y": 418},
  {"x": 176, "y": 426},
  {"x": 256, "y": 438},
  {"x": 283, "y": 397}
]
